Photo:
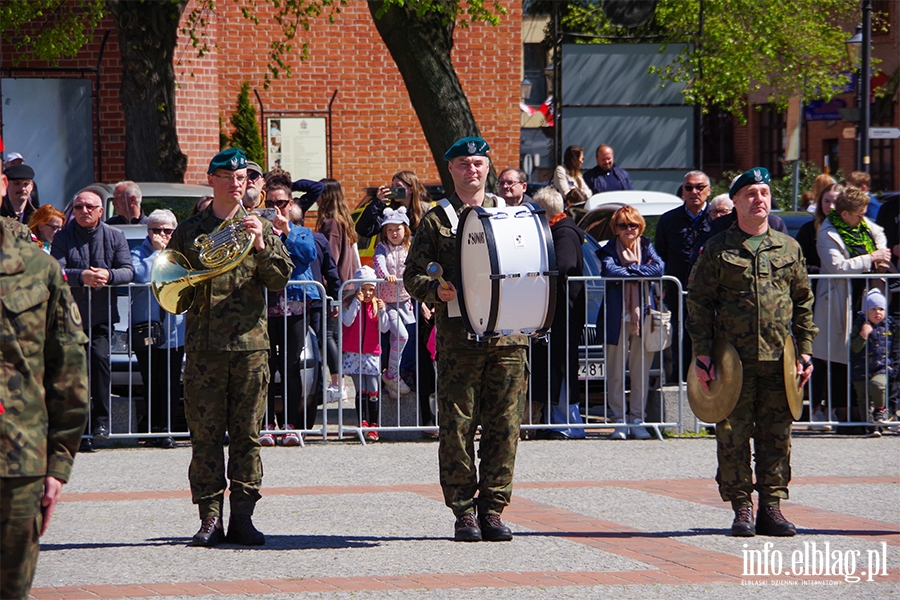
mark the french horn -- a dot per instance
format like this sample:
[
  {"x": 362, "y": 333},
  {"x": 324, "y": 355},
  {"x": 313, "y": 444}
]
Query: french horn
[{"x": 173, "y": 280}]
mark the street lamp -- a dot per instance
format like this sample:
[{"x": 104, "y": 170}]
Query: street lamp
[
  {"x": 525, "y": 89},
  {"x": 859, "y": 50}
]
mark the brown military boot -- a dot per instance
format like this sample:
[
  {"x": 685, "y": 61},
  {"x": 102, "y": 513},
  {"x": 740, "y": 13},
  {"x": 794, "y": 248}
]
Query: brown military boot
[
  {"x": 493, "y": 529},
  {"x": 742, "y": 526},
  {"x": 466, "y": 529},
  {"x": 770, "y": 521},
  {"x": 241, "y": 531},
  {"x": 210, "y": 533}
]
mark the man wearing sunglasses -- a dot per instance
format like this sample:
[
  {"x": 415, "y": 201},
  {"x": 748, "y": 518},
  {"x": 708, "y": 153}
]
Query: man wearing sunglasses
[
  {"x": 678, "y": 233},
  {"x": 95, "y": 257}
]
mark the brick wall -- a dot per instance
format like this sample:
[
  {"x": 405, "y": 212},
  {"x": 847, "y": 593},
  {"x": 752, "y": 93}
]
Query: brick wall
[{"x": 376, "y": 132}]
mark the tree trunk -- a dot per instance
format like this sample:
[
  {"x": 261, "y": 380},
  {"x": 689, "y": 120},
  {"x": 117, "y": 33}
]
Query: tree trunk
[
  {"x": 148, "y": 32},
  {"x": 420, "y": 46}
]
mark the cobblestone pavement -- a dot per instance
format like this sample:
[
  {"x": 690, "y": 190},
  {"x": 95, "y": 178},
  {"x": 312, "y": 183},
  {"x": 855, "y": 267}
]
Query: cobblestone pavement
[{"x": 592, "y": 518}]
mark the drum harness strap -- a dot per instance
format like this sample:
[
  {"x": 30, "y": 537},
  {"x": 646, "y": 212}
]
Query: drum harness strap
[
  {"x": 453, "y": 218},
  {"x": 453, "y": 306}
]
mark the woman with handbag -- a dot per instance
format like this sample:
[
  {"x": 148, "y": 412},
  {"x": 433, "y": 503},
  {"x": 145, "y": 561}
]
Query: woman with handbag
[{"x": 629, "y": 254}]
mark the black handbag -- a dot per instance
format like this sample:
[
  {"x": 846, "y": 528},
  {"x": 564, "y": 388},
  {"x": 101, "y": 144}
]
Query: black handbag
[{"x": 148, "y": 334}]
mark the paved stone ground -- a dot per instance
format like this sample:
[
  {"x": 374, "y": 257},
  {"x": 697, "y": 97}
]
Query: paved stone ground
[{"x": 593, "y": 518}]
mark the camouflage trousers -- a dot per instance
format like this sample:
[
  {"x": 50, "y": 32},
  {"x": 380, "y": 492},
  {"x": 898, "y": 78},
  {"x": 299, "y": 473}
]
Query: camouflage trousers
[
  {"x": 487, "y": 387},
  {"x": 761, "y": 413},
  {"x": 20, "y": 524},
  {"x": 225, "y": 392}
]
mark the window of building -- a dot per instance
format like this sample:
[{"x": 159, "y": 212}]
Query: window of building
[
  {"x": 535, "y": 61},
  {"x": 718, "y": 140},
  {"x": 881, "y": 152},
  {"x": 881, "y": 16},
  {"x": 771, "y": 139}
]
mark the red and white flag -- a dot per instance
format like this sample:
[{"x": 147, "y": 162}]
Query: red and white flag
[{"x": 546, "y": 109}]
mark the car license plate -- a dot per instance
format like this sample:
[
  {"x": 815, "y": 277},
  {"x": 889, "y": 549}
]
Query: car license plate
[{"x": 591, "y": 369}]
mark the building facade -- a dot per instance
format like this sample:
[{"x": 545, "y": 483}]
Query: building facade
[{"x": 374, "y": 130}]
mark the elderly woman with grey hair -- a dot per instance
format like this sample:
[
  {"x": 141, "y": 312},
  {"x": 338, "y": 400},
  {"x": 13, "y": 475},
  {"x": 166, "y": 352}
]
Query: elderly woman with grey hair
[
  {"x": 549, "y": 373},
  {"x": 720, "y": 206},
  {"x": 157, "y": 338}
]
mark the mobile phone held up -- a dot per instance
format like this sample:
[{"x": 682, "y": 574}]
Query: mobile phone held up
[
  {"x": 266, "y": 213},
  {"x": 397, "y": 193}
]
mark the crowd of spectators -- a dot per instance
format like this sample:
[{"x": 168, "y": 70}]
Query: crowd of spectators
[{"x": 842, "y": 238}]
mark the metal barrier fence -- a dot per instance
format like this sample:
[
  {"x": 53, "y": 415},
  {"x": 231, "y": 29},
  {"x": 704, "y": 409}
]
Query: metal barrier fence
[{"x": 602, "y": 400}]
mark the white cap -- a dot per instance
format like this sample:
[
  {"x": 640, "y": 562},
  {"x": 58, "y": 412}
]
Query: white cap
[{"x": 11, "y": 156}]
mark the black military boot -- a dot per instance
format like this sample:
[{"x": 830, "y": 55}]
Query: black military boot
[
  {"x": 493, "y": 529},
  {"x": 770, "y": 521},
  {"x": 210, "y": 533},
  {"x": 241, "y": 531},
  {"x": 466, "y": 529},
  {"x": 742, "y": 526}
]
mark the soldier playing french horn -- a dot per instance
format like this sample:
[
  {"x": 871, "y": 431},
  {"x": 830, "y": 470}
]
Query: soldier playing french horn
[{"x": 227, "y": 373}]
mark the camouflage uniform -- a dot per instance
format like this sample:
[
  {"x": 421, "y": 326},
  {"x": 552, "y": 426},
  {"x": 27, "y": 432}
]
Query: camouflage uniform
[
  {"x": 477, "y": 385},
  {"x": 754, "y": 301},
  {"x": 44, "y": 393},
  {"x": 227, "y": 373}
]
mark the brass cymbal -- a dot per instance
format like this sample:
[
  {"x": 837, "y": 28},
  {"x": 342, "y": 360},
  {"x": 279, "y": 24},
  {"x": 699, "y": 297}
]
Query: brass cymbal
[
  {"x": 713, "y": 405},
  {"x": 792, "y": 379}
]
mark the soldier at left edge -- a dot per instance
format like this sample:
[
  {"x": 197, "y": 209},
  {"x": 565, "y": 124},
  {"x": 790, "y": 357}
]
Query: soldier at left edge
[{"x": 43, "y": 394}]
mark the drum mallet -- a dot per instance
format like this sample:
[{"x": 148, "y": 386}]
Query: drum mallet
[{"x": 436, "y": 271}]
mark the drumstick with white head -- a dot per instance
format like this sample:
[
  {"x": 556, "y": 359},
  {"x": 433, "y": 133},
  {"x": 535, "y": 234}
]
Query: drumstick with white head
[{"x": 436, "y": 271}]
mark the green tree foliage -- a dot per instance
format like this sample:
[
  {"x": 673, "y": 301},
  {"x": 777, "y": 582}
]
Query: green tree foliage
[
  {"x": 782, "y": 189},
  {"x": 48, "y": 29},
  {"x": 776, "y": 47},
  {"x": 246, "y": 129}
]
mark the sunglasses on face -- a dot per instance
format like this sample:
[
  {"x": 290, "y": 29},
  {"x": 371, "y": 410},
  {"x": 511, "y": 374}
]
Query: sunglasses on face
[
  {"x": 253, "y": 176},
  {"x": 627, "y": 226},
  {"x": 695, "y": 188},
  {"x": 162, "y": 230},
  {"x": 85, "y": 207},
  {"x": 276, "y": 203}
]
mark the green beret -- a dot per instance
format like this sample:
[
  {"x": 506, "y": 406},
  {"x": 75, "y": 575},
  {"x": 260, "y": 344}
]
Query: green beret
[
  {"x": 230, "y": 160},
  {"x": 751, "y": 177},
  {"x": 467, "y": 146}
]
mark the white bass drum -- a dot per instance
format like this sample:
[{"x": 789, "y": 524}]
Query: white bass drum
[{"x": 507, "y": 271}]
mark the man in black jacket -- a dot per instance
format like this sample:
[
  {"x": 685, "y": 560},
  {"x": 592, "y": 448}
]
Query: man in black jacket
[
  {"x": 606, "y": 176},
  {"x": 677, "y": 235},
  {"x": 94, "y": 257}
]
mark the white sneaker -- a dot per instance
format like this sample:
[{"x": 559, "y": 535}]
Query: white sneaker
[
  {"x": 395, "y": 384},
  {"x": 819, "y": 415},
  {"x": 619, "y": 433},
  {"x": 391, "y": 385},
  {"x": 335, "y": 394},
  {"x": 638, "y": 433}
]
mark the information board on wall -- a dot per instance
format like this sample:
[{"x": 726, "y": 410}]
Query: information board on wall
[{"x": 298, "y": 145}]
